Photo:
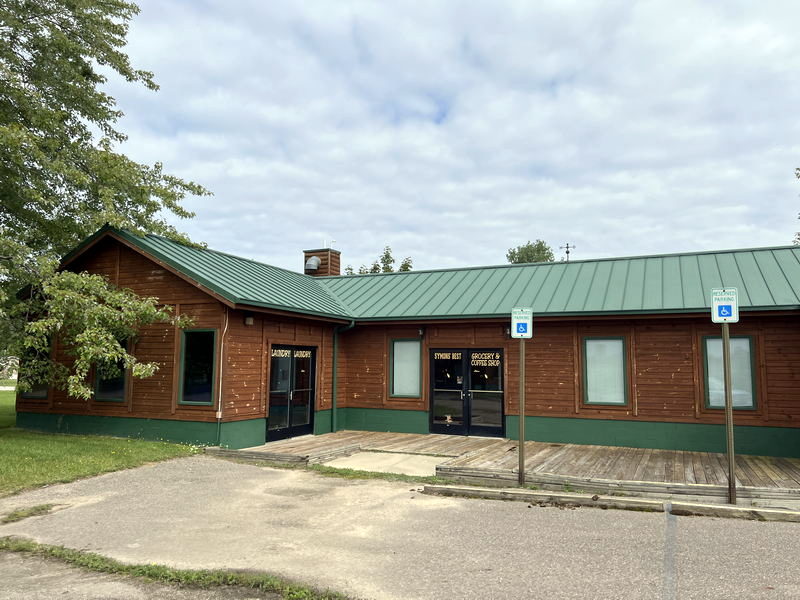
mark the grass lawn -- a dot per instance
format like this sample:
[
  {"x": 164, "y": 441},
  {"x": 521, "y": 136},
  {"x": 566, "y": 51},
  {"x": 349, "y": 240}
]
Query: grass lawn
[
  {"x": 33, "y": 459},
  {"x": 29, "y": 459},
  {"x": 8, "y": 416}
]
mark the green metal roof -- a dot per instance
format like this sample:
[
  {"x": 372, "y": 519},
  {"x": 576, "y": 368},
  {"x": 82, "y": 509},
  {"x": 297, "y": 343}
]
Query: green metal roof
[
  {"x": 767, "y": 279},
  {"x": 238, "y": 280}
]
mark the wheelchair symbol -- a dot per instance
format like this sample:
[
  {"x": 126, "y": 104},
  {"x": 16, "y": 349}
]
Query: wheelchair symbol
[
  {"x": 522, "y": 328},
  {"x": 724, "y": 310}
]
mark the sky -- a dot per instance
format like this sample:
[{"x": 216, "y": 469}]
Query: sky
[{"x": 452, "y": 131}]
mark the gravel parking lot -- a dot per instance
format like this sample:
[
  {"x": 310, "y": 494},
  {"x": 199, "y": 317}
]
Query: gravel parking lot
[{"x": 376, "y": 539}]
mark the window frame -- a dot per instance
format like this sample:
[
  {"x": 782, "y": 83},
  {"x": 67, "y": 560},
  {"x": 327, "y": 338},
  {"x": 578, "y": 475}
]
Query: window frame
[
  {"x": 392, "y": 393},
  {"x": 753, "y": 373},
  {"x": 625, "y": 372},
  {"x": 181, "y": 367}
]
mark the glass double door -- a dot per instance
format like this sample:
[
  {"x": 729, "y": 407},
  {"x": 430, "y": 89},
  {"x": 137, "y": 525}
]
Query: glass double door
[
  {"x": 291, "y": 392},
  {"x": 467, "y": 392}
]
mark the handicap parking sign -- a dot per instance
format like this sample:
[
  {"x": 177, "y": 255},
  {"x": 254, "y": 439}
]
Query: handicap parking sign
[
  {"x": 522, "y": 323},
  {"x": 725, "y": 305}
]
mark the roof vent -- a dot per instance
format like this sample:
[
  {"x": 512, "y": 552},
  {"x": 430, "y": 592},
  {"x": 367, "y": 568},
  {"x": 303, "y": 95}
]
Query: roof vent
[{"x": 312, "y": 264}]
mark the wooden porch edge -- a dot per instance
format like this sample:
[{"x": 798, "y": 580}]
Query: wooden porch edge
[
  {"x": 568, "y": 499},
  {"x": 496, "y": 477}
]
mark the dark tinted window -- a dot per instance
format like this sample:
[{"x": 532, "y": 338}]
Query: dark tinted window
[
  {"x": 38, "y": 390},
  {"x": 198, "y": 367},
  {"x": 111, "y": 386}
]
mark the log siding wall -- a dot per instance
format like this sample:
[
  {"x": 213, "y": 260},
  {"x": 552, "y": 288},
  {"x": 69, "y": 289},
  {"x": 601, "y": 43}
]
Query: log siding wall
[
  {"x": 664, "y": 367},
  {"x": 665, "y": 359},
  {"x": 242, "y": 350}
]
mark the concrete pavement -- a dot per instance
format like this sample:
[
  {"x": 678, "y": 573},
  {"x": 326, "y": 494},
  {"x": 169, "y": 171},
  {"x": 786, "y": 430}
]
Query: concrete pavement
[
  {"x": 383, "y": 540},
  {"x": 419, "y": 465}
]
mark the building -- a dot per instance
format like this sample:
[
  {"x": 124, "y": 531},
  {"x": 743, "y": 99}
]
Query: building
[{"x": 624, "y": 352}]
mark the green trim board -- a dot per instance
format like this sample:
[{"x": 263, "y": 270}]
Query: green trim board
[
  {"x": 233, "y": 434},
  {"x": 585, "y": 369},
  {"x": 323, "y": 421},
  {"x": 753, "y": 372},
  {"x": 182, "y": 367},
  {"x": 695, "y": 437},
  {"x": 392, "y": 393},
  {"x": 383, "y": 419}
]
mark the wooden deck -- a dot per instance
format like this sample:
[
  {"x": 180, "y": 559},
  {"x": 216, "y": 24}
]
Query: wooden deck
[
  {"x": 321, "y": 448},
  {"x": 761, "y": 480}
]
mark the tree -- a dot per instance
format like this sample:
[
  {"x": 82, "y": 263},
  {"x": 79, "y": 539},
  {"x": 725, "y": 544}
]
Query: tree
[
  {"x": 61, "y": 178},
  {"x": 537, "y": 251},
  {"x": 387, "y": 260},
  {"x": 383, "y": 264}
]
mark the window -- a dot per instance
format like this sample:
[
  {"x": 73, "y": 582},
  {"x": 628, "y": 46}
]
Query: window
[
  {"x": 198, "y": 350},
  {"x": 38, "y": 391},
  {"x": 109, "y": 383},
  {"x": 109, "y": 379},
  {"x": 406, "y": 360},
  {"x": 604, "y": 377},
  {"x": 743, "y": 392}
]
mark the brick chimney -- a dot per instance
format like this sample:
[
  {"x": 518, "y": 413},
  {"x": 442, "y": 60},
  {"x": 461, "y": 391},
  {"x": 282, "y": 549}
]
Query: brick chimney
[{"x": 325, "y": 261}]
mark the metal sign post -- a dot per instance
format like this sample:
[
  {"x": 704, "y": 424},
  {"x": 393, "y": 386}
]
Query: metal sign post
[
  {"x": 522, "y": 328},
  {"x": 725, "y": 310}
]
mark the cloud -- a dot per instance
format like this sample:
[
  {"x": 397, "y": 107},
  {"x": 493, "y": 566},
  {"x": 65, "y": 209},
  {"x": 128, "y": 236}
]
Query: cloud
[{"x": 453, "y": 131}]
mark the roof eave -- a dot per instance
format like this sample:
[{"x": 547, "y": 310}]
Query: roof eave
[{"x": 566, "y": 315}]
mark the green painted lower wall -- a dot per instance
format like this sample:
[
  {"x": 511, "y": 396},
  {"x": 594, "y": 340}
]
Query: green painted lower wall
[
  {"x": 322, "y": 421},
  {"x": 243, "y": 434},
  {"x": 381, "y": 419},
  {"x": 237, "y": 434},
  {"x": 767, "y": 441},
  {"x": 698, "y": 437}
]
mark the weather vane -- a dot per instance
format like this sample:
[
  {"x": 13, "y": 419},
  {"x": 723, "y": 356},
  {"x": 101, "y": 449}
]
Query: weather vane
[{"x": 567, "y": 248}]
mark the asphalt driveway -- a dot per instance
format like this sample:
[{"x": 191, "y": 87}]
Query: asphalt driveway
[{"x": 377, "y": 539}]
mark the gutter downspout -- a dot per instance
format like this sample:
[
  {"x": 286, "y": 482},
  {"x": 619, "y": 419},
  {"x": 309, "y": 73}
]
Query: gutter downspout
[
  {"x": 219, "y": 379},
  {"x": 334, "y": 407}
]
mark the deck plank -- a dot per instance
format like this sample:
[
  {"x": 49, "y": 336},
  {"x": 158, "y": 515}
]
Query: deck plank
[
  {"x": 699, "y": 469},
  {"x": 792, "y": 469},
  {"x": 678, "y": 475},
  {"x": 623, "y": 466},
  {"x": 551, "y": 464},
  {"x": 638, "y": 474}
]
